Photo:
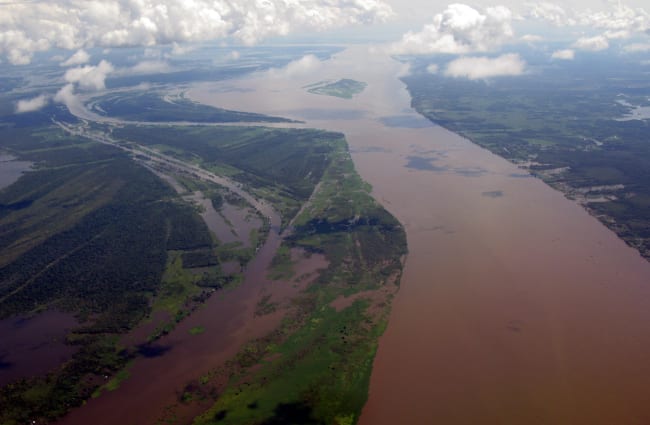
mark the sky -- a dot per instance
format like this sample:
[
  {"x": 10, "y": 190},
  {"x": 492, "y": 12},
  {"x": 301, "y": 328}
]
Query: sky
[
  {"x": 29, "y": 26},
  {"x": 476, "y": 32}
]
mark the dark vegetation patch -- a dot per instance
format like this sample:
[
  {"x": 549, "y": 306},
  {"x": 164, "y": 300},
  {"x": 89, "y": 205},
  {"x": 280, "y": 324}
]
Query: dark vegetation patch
[
  {"x": 153, "y": 107},
  {"x": 88, "y": 232},
  {"x": 282, "y": 165},
  {"x": 344, "y": 88},
  {"x": 203, "y": 258}
]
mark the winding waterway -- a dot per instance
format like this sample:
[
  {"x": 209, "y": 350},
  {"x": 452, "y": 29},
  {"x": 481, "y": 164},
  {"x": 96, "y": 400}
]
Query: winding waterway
[{"x": 516, "y": 306}]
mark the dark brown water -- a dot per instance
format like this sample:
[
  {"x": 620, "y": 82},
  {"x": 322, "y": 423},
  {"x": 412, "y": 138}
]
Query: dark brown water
[
  {"x": 516, "y": 308},
  {"x": 33, "y": 346}
]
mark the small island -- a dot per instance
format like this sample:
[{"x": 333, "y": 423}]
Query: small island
[{"x": 344, "y": 88}]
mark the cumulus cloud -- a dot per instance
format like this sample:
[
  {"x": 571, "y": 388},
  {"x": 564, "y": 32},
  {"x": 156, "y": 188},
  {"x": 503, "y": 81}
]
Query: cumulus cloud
[
  {"x": 593, "y": 44},
  {"x": 531, "y": 38},
  {"x": 67, "y": 96},
  {"x": 460, "y": 29},
  {"x": 79, "y": 58},
  {"x": 566, "y": 54},
  {"x": 615, "y": 23},
  {"x": 31, "y": 105},
  {"x": 550, "y": 12},
  {"x": 637, "y": 48},
  {"x": 432, "y": 69},
  {"x": 179, "y": 50},
  {"x": 476, "y": 68},
  {"x": 28, "y": 27},
  {"x": 147, "y": 67},
  {"x": 617, "y": 20},
  {"x": 617, "y": 34},
  {"x": 296, "y": 68},
  {"x": 90, "y": 77}
]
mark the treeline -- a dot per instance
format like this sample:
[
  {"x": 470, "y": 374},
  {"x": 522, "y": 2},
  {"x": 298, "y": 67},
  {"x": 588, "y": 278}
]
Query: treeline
[
  {"x": 152, "y": 107},
  {"x": 292, "y": 159}
]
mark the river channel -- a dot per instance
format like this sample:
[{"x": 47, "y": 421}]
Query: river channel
[{"x": 516, "y": 306}]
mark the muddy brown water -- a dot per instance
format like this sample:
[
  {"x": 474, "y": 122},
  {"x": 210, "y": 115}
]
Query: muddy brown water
[
  {"x": 33, "y": 346},
  {"x": 519, "y": 308}
]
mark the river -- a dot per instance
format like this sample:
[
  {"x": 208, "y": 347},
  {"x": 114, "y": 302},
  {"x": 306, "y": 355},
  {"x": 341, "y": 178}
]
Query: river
[{"x": 516, "y": 306}]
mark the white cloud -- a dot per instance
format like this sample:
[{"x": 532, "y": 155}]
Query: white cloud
[
  {"x": 305, "y": 65},
  {"x": 566, "y": 54},
  {"x": 459, "y": 29},
  {"x": 550, "y": 12},
  {"x": 432, "y": 69},
  {"x": 593, "y": 44},
  {"x": 619, "y": 18},
  {"x": 147, "y": 67},
  {"x": 28, "y": 27},
  {"x": 178, "y": 50},
  {"x": 532, "y": 38},
  {"x": 234, "y": 55},
  {"x": 637, "y": 48},
  {"x": 617, "y": 22},
  {"x": 30, "y": 105},
  {"x": 79, "y": 58},
  {"x": 90, "y": 77},
  {"x": 617, "y": 34},
  {"x": 475, "y": 68},
  {"x": 66, "y": 96}
]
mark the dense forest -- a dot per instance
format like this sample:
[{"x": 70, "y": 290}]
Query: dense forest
[{"x": 87, "y": 231}]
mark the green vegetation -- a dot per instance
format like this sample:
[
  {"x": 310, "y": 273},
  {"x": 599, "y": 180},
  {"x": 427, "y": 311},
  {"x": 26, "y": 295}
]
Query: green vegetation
[
  {"x": 281, "y": 265},
  {"x": 156, "y": 107},
  {"x": 344, "y": 88},
  {"x": 315, "y": 369},
  {"x": 88, "y": 231},
  {"x": 562, "y": 125},
  {"x": 115, "y": 382},
  {"x": 281, "y": 165},
  {"x": 197, "y": 330}
]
